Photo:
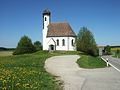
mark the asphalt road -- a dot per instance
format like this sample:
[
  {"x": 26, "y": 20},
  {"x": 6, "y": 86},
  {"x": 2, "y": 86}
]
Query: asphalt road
[{"x": 114, "y": 61}]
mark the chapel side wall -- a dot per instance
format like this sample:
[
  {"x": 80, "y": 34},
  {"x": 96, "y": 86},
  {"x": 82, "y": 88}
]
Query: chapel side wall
[
  {"x": 72, "y": 47},
  {"x": 67, "y": 47},
  {"x": 60, "y": 47}
]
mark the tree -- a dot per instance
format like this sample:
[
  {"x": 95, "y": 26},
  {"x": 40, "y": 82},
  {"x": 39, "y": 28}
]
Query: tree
[
  {"x": 108, "y": 50},
  {"x": 24, "y": 46},
  {"x": 38, "y": 45},
  {"x": 86, "y": 42}
]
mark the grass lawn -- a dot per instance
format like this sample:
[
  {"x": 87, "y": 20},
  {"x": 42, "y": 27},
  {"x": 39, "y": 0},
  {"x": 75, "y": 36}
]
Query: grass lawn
[
  {"x": 90, "y": 62},
  {"x": 57, "y": 53},
  {"x": 26, "y": 72}
]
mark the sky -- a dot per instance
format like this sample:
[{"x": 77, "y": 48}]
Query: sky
[{"x": 24, "y": 17}]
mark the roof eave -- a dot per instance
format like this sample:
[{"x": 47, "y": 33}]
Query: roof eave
[{"x": 62, "y": 36}]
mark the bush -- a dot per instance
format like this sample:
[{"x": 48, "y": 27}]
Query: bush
[
  {"x": 38, "y": 45},
  {"x": 108, "y": 50},
  {"x": 24, "y": 46}
]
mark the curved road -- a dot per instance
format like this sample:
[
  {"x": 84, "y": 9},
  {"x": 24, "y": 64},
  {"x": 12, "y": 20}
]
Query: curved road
[{"x": 76, "y": 78}]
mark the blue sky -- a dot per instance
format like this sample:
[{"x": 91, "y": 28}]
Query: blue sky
[{"x": 24, "y": 17}]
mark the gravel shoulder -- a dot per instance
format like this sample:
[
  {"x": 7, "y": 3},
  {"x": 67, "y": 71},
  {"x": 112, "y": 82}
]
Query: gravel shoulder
[{"x": 76, "y": 78}]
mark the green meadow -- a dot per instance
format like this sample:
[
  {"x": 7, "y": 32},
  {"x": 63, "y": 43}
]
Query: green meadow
[{"x": 27, "y": 72}]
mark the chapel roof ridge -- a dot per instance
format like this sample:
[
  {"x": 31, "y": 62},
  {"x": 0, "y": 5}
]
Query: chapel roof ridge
[{"x": 59, "y": 22}]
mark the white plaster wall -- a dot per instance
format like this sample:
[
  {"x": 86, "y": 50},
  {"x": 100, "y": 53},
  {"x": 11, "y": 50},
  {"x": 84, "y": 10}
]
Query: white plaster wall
[
  {"x": 72, "y": 48},
  {"x": 45, "y": 29},
  {"x": 44, "y": 40},
  {"x": 61, "y": 47},
  {"x": 68, "y": 46}
]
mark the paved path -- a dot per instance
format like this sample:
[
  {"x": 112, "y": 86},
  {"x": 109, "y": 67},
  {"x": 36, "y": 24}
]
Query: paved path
[
  {"x": 76, "y": 78},
  {"x": 114, "y": 61}
]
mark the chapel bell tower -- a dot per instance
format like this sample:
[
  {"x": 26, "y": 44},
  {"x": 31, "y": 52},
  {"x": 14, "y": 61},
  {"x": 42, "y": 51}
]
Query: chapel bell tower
[{"x": 46, "y": 20}]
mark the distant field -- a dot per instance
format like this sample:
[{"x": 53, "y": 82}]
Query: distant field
[
  {"x": 6, "y": 53},
  {"x": 115, "y": 49}
]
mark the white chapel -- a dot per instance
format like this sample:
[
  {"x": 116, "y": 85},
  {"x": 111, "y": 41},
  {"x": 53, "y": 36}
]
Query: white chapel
[{"x": 57, "y": 36}]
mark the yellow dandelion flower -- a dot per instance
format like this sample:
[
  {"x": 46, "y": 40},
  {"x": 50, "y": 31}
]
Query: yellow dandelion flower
[
  {"x": 26, "y": 85},
  {"x": 18, "y": 84},
  {"x": 4, "y": 81},
  {"x": 4, "y": 88},
  {"x": 1, "y": 79}
]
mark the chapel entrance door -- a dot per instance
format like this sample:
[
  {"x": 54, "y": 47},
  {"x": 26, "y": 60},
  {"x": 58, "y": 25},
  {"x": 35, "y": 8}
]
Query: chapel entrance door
[{"x": 51, "y": 47}]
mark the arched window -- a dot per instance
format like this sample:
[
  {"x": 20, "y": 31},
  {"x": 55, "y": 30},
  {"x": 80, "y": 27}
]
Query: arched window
[
  {"x": 63, "y": 42},
  {"x": 45, "y": 19},
  {"x": 72, "y": 42},
  {"x": 57, "y": 42}
]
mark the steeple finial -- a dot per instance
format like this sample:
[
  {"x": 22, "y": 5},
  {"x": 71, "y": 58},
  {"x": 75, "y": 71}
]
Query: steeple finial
[{"x": 46, "y": 12}]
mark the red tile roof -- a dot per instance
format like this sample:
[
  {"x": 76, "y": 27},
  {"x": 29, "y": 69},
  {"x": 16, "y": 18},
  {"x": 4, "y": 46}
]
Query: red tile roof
[{"x": 60, "y": 30}]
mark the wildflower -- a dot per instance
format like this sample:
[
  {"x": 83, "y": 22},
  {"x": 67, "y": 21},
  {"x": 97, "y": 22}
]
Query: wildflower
[
  {"x": 4, "y": 81},
  {"x": 26, "y": 85},
  {"x": 18, "y": 84},
  {"x": 4, "y": 88},
  {"x": 1, "y": 79}
]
